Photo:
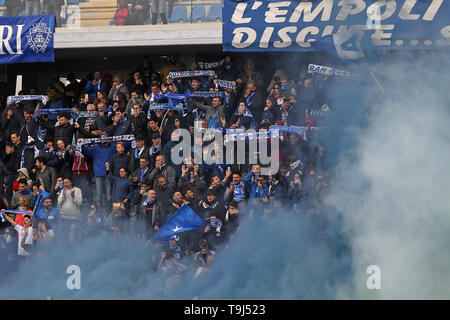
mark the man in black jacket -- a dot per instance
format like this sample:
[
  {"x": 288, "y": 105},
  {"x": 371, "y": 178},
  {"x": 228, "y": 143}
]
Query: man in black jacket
[
  {"x": 28, "y": 125},
  {"x": 64, "y": 131}
]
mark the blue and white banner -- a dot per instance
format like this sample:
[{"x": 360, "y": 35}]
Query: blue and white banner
[
  {"x": 315, "y": 68},
  {"x": 345, "y": 28},
  {"x": 27, "y": 39},
  {"x": 12, "y": 99}
]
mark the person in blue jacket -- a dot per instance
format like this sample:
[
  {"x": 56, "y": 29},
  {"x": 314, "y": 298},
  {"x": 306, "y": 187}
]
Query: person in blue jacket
[
  {"x": 122, "y": 190},
  {"x": 258, "y": 189},
  {"x": 101, "y": 154},
  {"x": 95, "y": 85},
  {"x": 50, "y": 214}
]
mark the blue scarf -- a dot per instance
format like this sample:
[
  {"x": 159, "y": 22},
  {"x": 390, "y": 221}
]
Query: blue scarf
[
  {"x": 225, "y": 84},
  {"x": 148, "y": 202},
  {"x": 249, "y": 102},
  {"x": 143, "y": 171},
  {"x": 27, "y": 191},
  {"x": 165, "y": 106},
  {"x": 12, "y": 99},
  {"x": 136, "y": 154},
  {"x": 127, "y": 137},
  {"x": 208, "y": 94},
  {"x": 189, "y": 74},
  {"x": 216, "y": 223},
  {"x": 153, "y": 150},
  {"x": 239, "y": 193},
  {"x": 22, "y": 157}
]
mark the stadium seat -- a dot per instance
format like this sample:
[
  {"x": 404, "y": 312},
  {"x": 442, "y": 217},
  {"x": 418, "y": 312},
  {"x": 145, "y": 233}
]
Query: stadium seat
[
  {"x": 179, "y": 14},
  {"x": 215, "y": 13},
  {"x": 73, "y": 1},
  {"x": 198, "y": 13}
]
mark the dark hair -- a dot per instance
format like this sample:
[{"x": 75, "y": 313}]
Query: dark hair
[
  {"x": 211, "y": 192},
  {"x": 234, "y": 204},
  {"x": 46, "y": 198},
  {"x": 186, "y": 190},
  {"x": 27, "y": 216},
  {"x": 41, "y": 159},
  {"x": 23, "y": 181},
  {"x": 69, "y": 178},
  {"x": 28, "y": 109}
]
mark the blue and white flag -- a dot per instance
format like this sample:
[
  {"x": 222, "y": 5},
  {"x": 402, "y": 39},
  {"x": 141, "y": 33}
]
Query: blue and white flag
[
  {"x": 184, "y": 219},
  {"x": 345, "y": 28},
  {"x": 27, "y": 39},
  {"x": 12, "y": 99},
  {"x": 190, "y": 74}
]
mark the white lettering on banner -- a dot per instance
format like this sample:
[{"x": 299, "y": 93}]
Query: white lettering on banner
[
  {"x": 239, "y": 35},
  {"x": 432, "y": 10},
  {"x": 265, "y": 39},
  {"x": 301, "y": 37},
  {"x": 274, "y": 14},
  {"x": 379, "y": 37},
  {"x": 4, "y": 42},
  {"x": 327, "y": 31},
  {"x": 390, "y": 5},
  {"x": 405, "y": 11},
  {"x": 350, "y": 7},
  {"x": 445, "y": 32},
  {"x": 326, "y": 6},
  {"x": 238, "y": 15},
  {"x": 286, "y": 39}
]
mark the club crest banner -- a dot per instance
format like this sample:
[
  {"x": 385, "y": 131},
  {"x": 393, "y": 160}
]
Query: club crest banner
[{"x": 27, "y": 39}]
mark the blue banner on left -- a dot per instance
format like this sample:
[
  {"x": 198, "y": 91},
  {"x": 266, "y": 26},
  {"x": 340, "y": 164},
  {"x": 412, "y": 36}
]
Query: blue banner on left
[{"x": 27, "y": 39}]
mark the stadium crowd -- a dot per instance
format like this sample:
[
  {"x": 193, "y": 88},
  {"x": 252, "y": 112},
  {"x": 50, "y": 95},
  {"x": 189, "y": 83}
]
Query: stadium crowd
[{"x": 116, "y": 188}]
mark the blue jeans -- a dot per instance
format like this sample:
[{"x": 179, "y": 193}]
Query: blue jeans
[
  {"x": 103, "y": 188},
  {"x": 33, "y": 7}
]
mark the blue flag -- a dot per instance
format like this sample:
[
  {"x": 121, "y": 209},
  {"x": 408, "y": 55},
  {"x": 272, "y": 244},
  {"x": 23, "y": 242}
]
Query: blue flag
[
  {"x": 27, "y": 39},
  {"x": 184, "y": 219}
]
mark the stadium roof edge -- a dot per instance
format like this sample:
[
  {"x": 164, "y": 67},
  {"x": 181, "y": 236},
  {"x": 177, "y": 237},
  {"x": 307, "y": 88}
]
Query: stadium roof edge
[{"x": 204, "y": 33}]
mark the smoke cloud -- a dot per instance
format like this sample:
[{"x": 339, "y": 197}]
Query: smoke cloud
[{"x": 387, "y": 205}]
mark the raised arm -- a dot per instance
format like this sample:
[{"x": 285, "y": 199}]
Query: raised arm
[{"x": 8, "y": 218}]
